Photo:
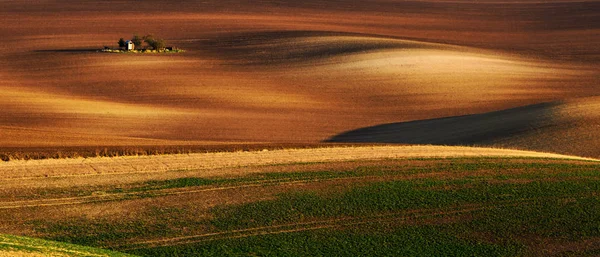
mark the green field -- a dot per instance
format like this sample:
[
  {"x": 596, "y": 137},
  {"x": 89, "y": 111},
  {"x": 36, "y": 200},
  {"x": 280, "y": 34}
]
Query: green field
[
  {"x": 26, "y": 246},
  {"x": 418, "y": 207}
]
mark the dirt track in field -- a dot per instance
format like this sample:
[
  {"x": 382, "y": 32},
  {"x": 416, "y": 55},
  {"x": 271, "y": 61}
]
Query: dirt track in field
[
  {"x": 93, "y": 172},
  {"x": 109, "y": 201},
  {"x": 395, "y": 218},
  {"x": 103, "y": 197}
]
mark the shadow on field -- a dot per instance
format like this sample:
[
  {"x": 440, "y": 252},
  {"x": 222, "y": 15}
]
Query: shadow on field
[
  {"x": 80, "y": 50},
  {"x": 277, "y": 47},
  {"x": 457, "y": 130}
]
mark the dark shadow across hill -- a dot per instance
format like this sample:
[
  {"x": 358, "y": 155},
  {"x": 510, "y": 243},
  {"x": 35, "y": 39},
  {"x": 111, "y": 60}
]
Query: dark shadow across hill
[
  {"x": 277, "y": 47},
  {"x": 458, "y": 130},
  {"x": 75, "y": 50}
]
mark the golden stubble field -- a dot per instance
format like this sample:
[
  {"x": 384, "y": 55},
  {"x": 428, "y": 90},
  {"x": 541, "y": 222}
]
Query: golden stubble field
[
  {"x": 212, "y": 164},
  {"x": 282, "y": 71}
]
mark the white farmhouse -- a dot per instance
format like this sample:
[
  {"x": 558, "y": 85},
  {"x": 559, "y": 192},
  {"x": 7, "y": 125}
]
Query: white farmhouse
[{"x": 129, "y": 45}]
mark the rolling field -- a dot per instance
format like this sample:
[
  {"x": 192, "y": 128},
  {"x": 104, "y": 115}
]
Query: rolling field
[
  {"x": 548, "y": 127},
  {"x": 286, "y": 72},
  {"x": 300, "y": 128},
  {"x": 324, "y": 201}
]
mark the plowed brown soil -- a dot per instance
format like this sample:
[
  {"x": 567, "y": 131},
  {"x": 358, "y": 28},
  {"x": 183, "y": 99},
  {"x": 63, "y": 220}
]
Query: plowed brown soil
[
  {"x": 283, "y": 71},
  {"x": 550, "y": 127}
]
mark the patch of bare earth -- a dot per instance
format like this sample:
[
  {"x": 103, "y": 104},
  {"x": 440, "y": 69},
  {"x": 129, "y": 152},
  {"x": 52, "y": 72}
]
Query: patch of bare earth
[{"x": 340, "y": 65}]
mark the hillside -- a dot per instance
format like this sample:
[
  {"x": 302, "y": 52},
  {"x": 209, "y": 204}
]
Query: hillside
[
  {"x": 281, "y": 71},
  {"x": 565, "y": 127},
  {"x": 300, "y": 128},
  {"x": 344, "y": 201}
]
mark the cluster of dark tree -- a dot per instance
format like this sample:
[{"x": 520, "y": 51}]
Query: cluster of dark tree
[{"x": 150, "y": 40}]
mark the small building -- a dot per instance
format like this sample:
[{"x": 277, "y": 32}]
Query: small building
[{"x": 129, "y": 45}]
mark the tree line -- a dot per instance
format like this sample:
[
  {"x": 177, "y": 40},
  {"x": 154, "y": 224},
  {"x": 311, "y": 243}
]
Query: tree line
[{"x": 150, "y": 40}]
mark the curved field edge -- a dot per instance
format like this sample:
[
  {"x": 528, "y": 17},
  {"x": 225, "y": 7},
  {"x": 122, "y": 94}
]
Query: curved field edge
[
  {"x": 74, "y": 152},
  {"x": 26, "y": 246},
  {"x": 212, "y": 162}
]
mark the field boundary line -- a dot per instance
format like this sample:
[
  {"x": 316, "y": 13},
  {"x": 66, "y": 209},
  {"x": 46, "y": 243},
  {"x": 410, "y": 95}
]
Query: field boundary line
[{"x": 57, "y": 168}]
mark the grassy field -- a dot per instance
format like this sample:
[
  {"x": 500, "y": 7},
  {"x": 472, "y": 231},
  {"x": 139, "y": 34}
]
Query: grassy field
[
  {"x": 16, "y": 246},
  {"x": 475, "y": 206}
]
